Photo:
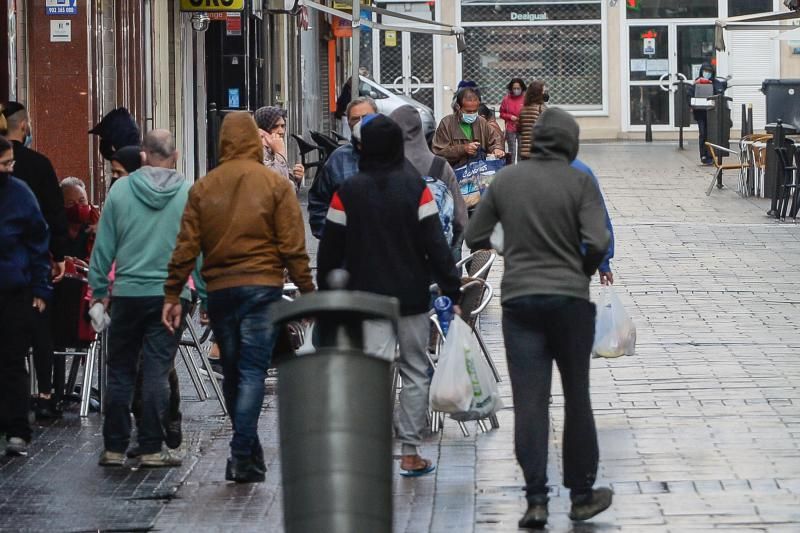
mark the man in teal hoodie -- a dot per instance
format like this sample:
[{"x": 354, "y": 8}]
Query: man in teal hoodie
[{"x": 137, "y": 231}]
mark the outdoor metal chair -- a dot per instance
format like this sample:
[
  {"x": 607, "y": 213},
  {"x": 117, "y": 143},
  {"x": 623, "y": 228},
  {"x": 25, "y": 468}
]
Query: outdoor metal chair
[
  {"x": 789, "y": 187},
  {"x": 741, "y": 166},
  {"x": 478, "y": 263},
  {"x": 327, "y": 144},
  {"x": 475, "y": 297},
  {"x": 306, "y": 148},
  {"x": 339, "y": 137},
  {"x": 190, "y": 341}
]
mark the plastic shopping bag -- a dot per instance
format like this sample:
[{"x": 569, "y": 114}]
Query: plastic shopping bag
[
  {"x": 464, "y": 377},
  {"x": 451, "y": 387},
  {"x": 615, "y": 332}
]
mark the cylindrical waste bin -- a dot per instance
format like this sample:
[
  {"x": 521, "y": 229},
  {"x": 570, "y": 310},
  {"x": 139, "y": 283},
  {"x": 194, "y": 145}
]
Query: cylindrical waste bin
[
  {"x": 335, "y": 414},
  {"x": 783, "y": 101}
]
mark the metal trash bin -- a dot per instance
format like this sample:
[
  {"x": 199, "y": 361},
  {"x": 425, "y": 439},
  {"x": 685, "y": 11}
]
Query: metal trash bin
[
  {"x": 783, "y": 101},
  {"x": 335, "y": 415}
]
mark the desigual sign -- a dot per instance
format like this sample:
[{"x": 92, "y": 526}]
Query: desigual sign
[
  {"x": 212, "y": 6},
  {"x": 528, "y": 16}
]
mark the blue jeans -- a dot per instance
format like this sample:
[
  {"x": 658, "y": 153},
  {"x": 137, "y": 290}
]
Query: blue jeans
[
  {"x": 136, "y": 328},
  {"x": 240, "y": 319},
  {"x": 538, "y": 330}
]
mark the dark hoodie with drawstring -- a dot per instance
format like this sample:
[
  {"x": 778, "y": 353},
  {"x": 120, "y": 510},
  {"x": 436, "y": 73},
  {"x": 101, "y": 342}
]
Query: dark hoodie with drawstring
[
  {"x": 547, "y": 209},
  {"x": 383, "y": 227}
]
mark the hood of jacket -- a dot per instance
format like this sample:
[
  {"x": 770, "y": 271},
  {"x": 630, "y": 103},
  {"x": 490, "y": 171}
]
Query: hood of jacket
[
  {"x": 239, "y": 139},
  {"x": 709, "y": 67},
  {"x": 381, "y": 145},
  {"x": 555, "y": 135},
  {"x": 414, "y": 143},
  {"x": 155, "y": 186}
]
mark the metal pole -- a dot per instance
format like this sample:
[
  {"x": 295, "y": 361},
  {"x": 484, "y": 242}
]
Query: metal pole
[{"x": 356, "y": 49}]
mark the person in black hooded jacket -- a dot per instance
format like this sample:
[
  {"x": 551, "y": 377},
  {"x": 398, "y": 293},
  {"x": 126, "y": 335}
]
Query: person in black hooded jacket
[
  {"x": 708, "y": 75},
  {"x": 383, "y": 228}
]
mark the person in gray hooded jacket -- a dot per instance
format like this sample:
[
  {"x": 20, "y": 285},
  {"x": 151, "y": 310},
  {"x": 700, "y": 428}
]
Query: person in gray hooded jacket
[
  {"x": 137, "y": 231},
  {"x": 421, "y": 158},
  {"x": 548, "y": 211}
]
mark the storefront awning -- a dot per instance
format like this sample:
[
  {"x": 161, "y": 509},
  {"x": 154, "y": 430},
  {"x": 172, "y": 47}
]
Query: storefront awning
[
  {"x": 430, "y": 27},
  {"x": 759, "y": 21}
]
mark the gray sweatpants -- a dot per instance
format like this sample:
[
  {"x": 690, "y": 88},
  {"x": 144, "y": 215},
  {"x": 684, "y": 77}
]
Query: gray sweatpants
[{"x": 411, "y": 417}]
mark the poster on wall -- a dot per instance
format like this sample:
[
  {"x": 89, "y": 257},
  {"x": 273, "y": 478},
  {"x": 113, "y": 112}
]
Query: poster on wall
[
  {"x": 649, "y": 47},
  {"x": 61, "y": 7}
]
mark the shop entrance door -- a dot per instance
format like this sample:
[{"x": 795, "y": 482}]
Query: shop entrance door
[
  {"x": 404, "y": 64},
  {"x": 659, "y": 55}
]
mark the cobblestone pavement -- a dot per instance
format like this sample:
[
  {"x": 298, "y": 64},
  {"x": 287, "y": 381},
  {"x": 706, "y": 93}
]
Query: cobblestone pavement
[{"x": 699, "y": 431}]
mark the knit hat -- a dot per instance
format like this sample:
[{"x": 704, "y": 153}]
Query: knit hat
[
  {"x": 130, "y": 157},
  {"x": 381, "y": 143},
  {"x": 267, "y": 116},
  {"x": 12, "y": 107}
]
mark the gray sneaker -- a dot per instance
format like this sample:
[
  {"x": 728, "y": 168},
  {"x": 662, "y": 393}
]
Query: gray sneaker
[
  {"x": 590, "y": 504},
  {"x": 108, "y": 458},
  {"x": 16, "y": 447},
  {"x": 165, "y": 458}
]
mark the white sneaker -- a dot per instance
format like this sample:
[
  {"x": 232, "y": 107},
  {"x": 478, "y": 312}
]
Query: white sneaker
[
  {"x": 16, "y": 447},
  {"x": 165, "y": 458}
]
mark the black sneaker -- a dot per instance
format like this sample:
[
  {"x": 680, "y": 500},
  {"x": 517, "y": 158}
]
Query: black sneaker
[
  {"x": 258, "y": 460},
  {"x": 243, "y": 470},
  {"x": 173, "y": 436},
  {"x": 535, "y": 517},
  {"x": 47, "y": 409},
  {"x": 585, "y": 506}
]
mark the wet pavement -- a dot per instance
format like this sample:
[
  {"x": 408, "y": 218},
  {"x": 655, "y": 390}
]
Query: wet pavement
[{"x": 699, "y": 431}]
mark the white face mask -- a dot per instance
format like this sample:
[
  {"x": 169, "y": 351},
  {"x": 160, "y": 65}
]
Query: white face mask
[{"x": 516, "y": 91}]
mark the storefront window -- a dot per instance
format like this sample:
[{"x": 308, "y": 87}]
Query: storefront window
[
  {"x": 658, "y": 9},
  {"x": 748, "y": 7},
  {"x": 567, "y": 57}
]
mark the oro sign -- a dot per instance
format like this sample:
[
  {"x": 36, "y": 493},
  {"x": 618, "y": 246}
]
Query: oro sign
[{"x": 211, "y": 6}]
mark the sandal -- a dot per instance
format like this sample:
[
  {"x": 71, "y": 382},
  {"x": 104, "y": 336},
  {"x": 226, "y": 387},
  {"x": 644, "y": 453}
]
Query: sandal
[{"x": 425, "y": 466}]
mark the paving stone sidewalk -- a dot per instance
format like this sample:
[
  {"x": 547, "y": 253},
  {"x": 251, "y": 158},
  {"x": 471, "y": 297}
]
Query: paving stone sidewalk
[{"x": 699, "y": 431}]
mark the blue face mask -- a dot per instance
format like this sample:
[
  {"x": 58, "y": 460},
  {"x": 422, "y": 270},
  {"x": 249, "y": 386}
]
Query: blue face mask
[
  {"x": 707, "y": 75},
  {"x": 28, "y": 139},
  {"x": 469, "y": 118}
]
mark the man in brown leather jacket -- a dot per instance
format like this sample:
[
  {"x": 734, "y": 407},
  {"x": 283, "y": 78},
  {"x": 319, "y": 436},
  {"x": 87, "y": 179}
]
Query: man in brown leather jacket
[{"x": 463, "y": 134}]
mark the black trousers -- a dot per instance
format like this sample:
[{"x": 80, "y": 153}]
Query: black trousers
[
  {"x": 537, "y": 331},
  {"x": 702, "y": 134},
  {"x": 16, "y": 318}
]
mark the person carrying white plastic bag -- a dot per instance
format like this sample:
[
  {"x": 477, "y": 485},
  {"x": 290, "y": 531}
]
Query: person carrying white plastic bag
[
  {"x": 615, "y": 332},
  {"x": 463, "y": 384}
]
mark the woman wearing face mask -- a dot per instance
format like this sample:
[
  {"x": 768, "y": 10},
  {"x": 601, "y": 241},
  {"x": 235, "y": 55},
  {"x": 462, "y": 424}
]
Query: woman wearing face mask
[
  {"x": 510, "y": 109},
  {"x": 82, "y": 219},
  {"x": 271, "y": 123},
  {"x": 534, "y": 105},
  {"x": 707, "y": 77}
]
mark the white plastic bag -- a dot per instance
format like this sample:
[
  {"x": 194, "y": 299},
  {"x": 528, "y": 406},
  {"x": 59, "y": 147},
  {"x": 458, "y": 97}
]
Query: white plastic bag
[
  {"x": 614, "y": 331},
  {"x": 497, "y": 238},
  {"x": 451, "y": 387},
  {"x": 463, "y": 384}
]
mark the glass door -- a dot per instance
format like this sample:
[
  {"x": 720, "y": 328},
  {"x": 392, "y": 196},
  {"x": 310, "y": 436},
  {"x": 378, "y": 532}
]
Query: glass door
[
  {"x": 659, "y": 55},
  {"x": 649, "y": 62}
]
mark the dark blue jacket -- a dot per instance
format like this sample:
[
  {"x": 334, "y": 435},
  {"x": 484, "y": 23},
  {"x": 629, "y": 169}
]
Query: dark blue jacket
[
  {"x": 605, "y": 266},
  {"x": 341, "y": 166},
  {"x": 24, "y": 240}
]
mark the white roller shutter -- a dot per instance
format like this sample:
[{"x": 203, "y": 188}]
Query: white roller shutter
[{"x": 752, "y": 58}]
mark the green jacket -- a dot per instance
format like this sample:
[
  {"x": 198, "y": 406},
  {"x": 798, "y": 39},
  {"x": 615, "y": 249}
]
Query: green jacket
[{"x": 137, "y": 230}]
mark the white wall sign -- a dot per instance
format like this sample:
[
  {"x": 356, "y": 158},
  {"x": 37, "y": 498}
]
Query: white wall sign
[{"x": 60, "y": 31}]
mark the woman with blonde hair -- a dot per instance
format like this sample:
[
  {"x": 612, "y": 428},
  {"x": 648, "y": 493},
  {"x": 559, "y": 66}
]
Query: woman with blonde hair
[{"x": 535, "y": 97}]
